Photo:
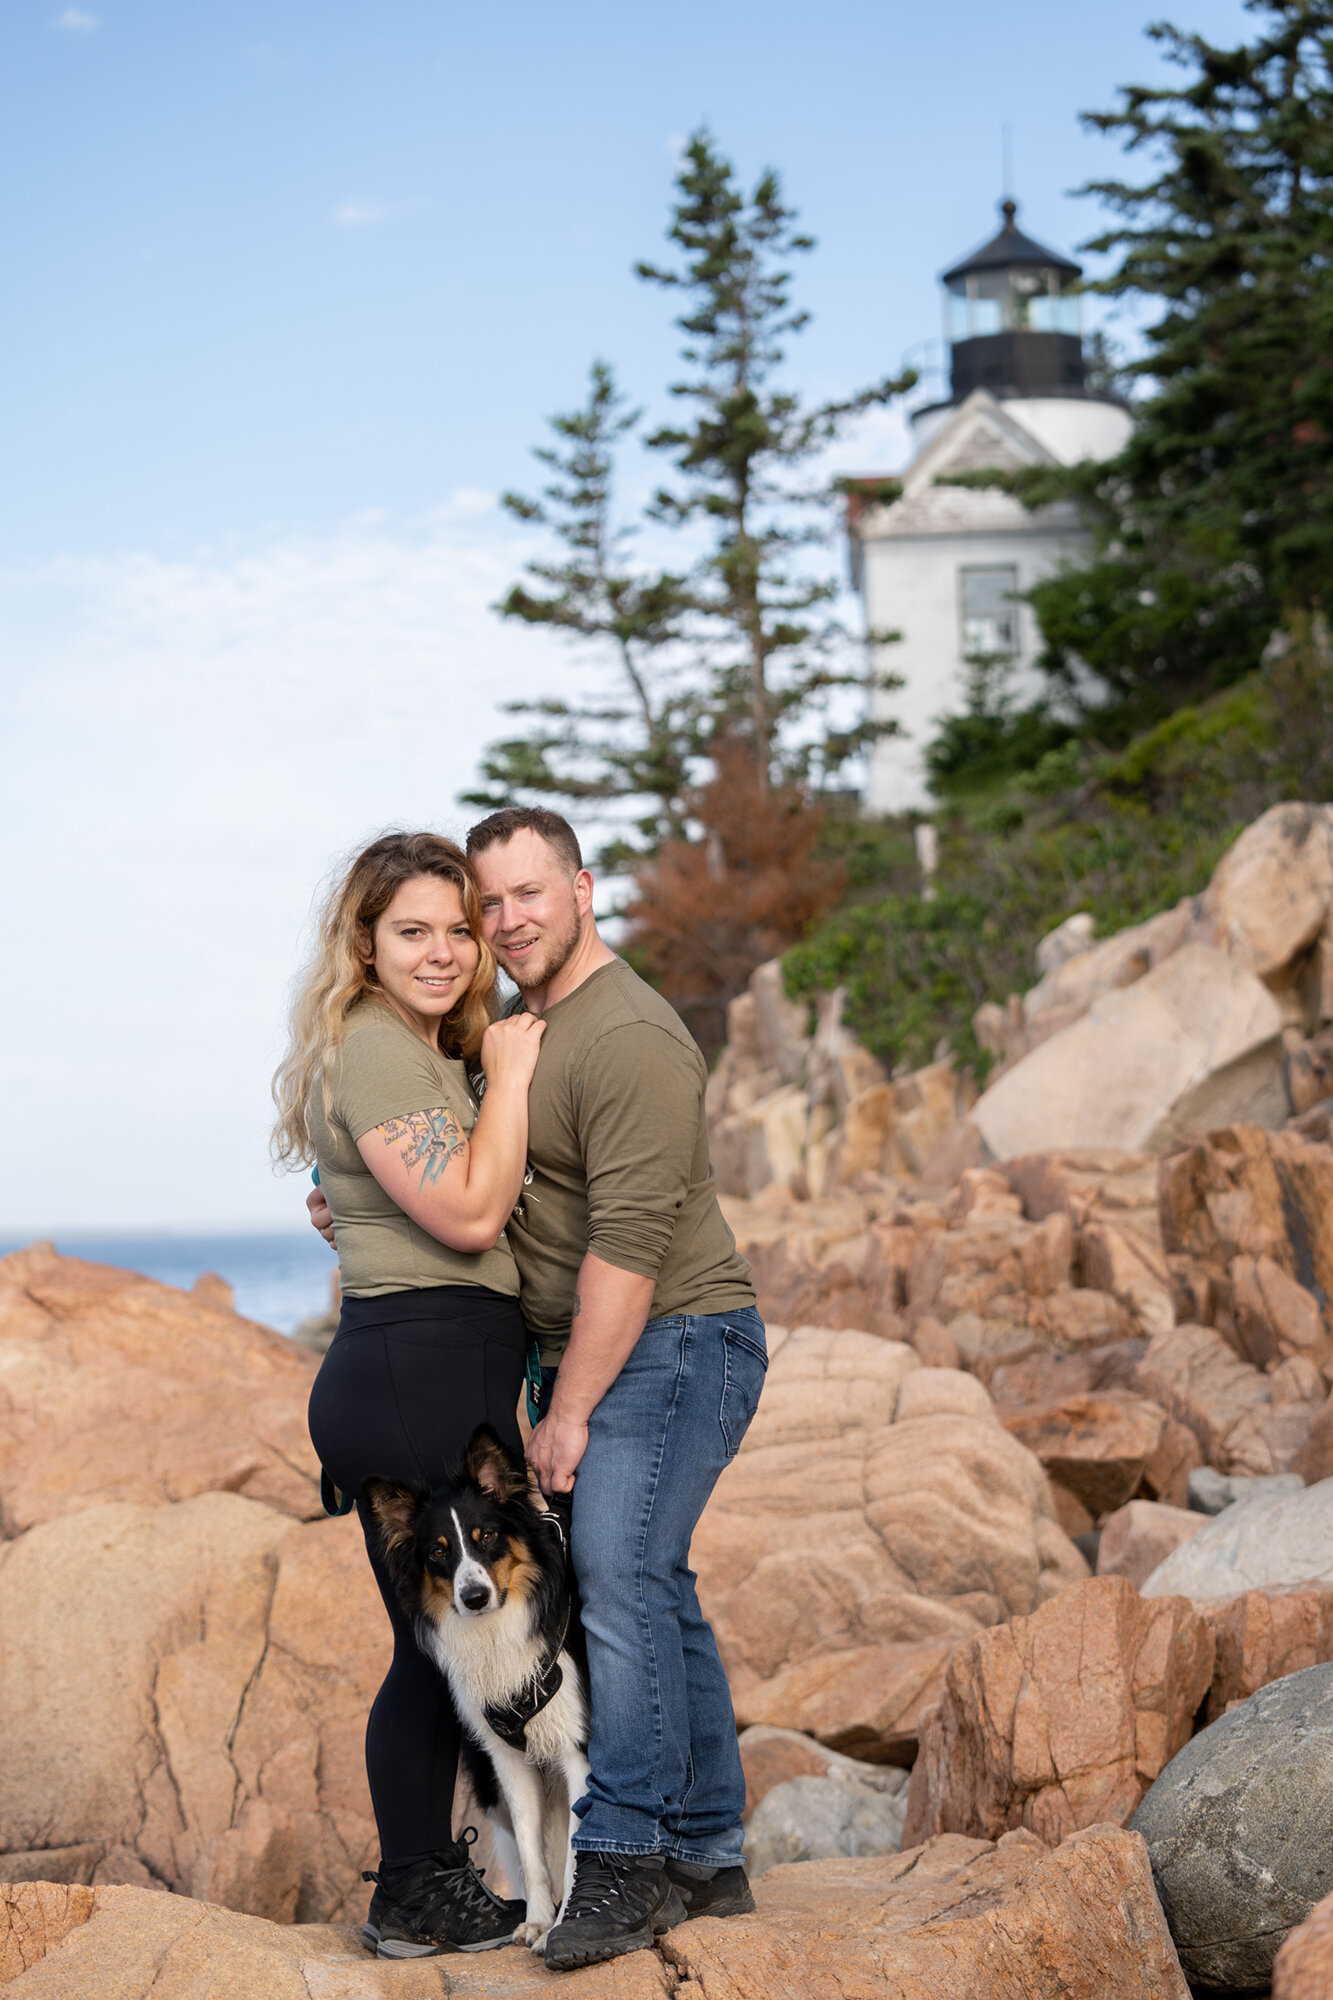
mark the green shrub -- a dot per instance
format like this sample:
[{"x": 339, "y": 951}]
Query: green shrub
[
  {"x": 1121, "y": 836},
  {"x": 915, "y": 973}
]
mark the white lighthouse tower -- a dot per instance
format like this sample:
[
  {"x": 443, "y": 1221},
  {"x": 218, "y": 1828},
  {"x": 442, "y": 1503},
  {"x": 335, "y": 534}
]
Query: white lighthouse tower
[{"x": 946, "y": 566}]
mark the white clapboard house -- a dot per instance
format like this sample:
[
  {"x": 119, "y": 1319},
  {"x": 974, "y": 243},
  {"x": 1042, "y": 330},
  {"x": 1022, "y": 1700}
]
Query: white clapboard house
[{"x": 943, "y": 565}]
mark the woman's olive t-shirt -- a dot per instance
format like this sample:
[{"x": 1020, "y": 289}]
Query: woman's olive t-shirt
[{"x": 384, "y": 1071}]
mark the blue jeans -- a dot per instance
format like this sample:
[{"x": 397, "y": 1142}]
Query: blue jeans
[{"x": 665, "y": 1769}]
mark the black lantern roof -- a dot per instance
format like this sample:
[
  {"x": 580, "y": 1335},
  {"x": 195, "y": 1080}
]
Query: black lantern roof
[{"x": 1011, "y": 246}]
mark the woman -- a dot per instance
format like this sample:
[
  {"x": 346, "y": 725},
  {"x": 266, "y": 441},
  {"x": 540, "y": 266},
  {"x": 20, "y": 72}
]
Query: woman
[{"x": 430, "y": 1342}]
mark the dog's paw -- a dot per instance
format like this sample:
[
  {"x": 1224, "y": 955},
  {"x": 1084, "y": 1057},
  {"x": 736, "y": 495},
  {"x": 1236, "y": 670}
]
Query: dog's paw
[
  {"x": 535, "y": 1933},
  {"x": 539, "y": 1943}
]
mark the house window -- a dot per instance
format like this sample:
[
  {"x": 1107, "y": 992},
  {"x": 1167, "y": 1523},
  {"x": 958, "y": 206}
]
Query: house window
[{"x": 988, "y": 606}]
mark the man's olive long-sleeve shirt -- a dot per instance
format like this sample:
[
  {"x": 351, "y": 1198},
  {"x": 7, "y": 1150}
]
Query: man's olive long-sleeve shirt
[{"x": 618, "y": 1149}]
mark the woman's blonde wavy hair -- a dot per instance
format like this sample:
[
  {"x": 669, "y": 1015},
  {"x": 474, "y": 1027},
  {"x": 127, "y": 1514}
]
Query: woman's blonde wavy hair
[{"x": 337, "y": 977}]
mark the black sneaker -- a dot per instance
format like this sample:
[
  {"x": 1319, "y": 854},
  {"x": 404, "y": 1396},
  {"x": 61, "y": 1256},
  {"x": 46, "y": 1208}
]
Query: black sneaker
[
  {"x": 437, "y": 1905},
  {"x": 711, "y": 1892},
  {"x": 619, "y": 1903}
]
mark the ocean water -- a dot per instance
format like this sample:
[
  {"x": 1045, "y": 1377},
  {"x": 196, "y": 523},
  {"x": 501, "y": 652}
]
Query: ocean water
[{"x": 279, "y": 1278}]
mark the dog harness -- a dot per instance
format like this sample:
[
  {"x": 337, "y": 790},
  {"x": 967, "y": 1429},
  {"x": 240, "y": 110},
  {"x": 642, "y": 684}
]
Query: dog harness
[{"x": 510, "y": 1719}]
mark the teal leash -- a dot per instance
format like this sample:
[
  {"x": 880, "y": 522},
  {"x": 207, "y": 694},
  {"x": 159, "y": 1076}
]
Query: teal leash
[{"x": 334, "y": 1502}]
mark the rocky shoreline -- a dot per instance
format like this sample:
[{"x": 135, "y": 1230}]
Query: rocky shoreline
[{"x": 1023, "y": 1576}]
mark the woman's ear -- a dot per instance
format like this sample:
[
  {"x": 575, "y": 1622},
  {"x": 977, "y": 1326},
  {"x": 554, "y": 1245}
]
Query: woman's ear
[{"x": 365, "y": 945}]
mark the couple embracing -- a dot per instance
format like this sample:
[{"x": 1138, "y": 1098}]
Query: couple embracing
[{"x": 565, "y": 1228}]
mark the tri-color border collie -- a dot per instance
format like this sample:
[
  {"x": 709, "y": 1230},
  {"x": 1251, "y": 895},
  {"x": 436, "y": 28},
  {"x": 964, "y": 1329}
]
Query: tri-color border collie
[{"x": 485, "y": 1577}]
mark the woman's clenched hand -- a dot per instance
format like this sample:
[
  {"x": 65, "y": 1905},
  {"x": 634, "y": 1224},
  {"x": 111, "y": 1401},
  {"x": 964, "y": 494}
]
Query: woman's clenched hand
[{"x": 509, "y": 1050}]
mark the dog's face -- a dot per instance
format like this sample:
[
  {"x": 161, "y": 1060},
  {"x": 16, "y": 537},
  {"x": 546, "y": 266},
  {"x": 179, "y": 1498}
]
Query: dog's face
[{"x": 466, "y": 1547}]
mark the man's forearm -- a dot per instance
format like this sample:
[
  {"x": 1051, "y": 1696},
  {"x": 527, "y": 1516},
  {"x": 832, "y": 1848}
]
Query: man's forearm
[{"x": 611, "y": 1308}]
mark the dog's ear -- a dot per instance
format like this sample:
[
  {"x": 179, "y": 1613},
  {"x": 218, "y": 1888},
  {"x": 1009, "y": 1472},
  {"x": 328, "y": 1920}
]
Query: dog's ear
[
  {"x": 395, "y": 1510},
  {"x": 493, "y": 1466}
]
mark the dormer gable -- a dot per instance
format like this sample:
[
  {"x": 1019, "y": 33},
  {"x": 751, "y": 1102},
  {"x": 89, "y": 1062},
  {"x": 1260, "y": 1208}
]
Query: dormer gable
[{"x": 982, "y": 435}]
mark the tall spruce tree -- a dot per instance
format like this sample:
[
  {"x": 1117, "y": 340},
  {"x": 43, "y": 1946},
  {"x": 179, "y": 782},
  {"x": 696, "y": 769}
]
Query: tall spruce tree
[
  {"x": 760, "y": 614},
  {"x": 741, "y": 645},
  {"x": 1216, "y": 520},
  {"x": 637, "y": 747}
]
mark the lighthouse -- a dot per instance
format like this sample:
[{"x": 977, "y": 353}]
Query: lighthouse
[{"x": 946, "y": 566}]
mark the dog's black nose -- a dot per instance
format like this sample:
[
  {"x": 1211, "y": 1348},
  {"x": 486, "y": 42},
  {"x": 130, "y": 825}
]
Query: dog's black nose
[{"x": 475, "y": 1596}]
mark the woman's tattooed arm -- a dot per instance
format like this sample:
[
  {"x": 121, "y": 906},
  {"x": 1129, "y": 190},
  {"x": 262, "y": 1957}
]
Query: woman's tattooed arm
[{"x": 426, "y": 1139}]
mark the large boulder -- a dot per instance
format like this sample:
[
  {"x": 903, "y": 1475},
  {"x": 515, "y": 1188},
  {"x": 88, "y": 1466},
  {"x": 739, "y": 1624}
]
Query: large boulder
[
  {"x": 892, "y": 1127},
  {"x": 119, "y": 1388},
  {"x": 1269, "y": 1543},
  {"x": 1083, "y": 1182},
  {"x": 772, "y": 1757},
  {"x": 1110, "y": 1197},
  {"x": 1195, "y": 1042},
  {"x": 813, "y": 1818},
  {"x": 876, "y": 1514},
  {"x": 1247, "y": 1217},
  {"x": 1303, "y": 1969},
  {"x": 1262, "y": 1636},
  {"x": 129, "y": 1944},
  {"x": 1140, "y": 1535},
  {"x": 1063, "y": 1719},
  {"x": 185, "y": 1691},
  {"x": 957, "y": 1917},
  {"x": 1242, "y": 1419},
  {"x": 987, "y": 1262},
  {"x": 1240, "y": 1830},
  {"x": 828, "y": 1262},
  {"x": 1096, "y": 1447},
  {"x": 1272, "y": 891},
  {"x": 981, "y": 1922}
]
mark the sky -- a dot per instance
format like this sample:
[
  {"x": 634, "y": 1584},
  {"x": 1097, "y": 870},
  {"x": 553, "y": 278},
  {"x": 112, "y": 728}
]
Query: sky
[{"x": 290, "y": 291}]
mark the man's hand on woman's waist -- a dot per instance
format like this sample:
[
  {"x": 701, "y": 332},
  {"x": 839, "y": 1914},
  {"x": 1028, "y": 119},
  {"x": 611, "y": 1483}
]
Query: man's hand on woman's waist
[{"x": 321, "y": 1215}]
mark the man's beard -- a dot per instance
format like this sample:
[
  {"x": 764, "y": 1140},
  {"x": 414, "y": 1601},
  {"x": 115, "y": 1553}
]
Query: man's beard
[{"x": 557, "y": 950}]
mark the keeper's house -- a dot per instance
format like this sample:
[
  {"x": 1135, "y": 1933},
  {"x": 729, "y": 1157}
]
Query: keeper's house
[{"x": 945, "y": 566}]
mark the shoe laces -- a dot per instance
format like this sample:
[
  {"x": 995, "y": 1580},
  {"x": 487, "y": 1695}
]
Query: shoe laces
[
  {"x": 449, "y": 1874},
  {"x": 599, "y": 1881}
]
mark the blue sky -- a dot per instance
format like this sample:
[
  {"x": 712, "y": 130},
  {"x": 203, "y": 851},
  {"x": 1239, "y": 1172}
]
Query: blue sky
[{"x": 289, "y": 291}]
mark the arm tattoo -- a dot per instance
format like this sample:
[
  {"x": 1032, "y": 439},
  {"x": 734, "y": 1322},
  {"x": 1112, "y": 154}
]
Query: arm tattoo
[
  {"x": 578, "y": 1306},
  {"x": 426, "y": 1139}
]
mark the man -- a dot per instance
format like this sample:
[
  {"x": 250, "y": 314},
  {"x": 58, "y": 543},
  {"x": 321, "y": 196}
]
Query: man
[{"x": 634, "y": 1287}]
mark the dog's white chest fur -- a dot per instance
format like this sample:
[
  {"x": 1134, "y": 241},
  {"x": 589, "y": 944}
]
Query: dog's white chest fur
[{"x": 487, "y": 1661}]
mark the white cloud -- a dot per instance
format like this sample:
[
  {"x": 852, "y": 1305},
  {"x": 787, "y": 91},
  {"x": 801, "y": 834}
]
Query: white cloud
[
  {"x": 357, "y": 214},
  {"x": 468, "y": 500},
  {"x": 76, "y": 21},
  {"x": 189, "y": 747}
]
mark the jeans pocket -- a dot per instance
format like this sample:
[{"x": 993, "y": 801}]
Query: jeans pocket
[{"x": 744, "y": 1365}]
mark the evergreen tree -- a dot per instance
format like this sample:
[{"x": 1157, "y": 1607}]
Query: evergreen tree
[
  {"x": 1216, "y": 520},
  {"x": 746, "y": 462},
  {"x": 744, "y": 647},
  {"x": 638, "y": 747}
]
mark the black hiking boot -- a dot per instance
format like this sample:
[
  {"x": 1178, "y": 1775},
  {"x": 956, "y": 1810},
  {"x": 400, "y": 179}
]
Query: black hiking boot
[
  {"x": 619, "y": 1903},
  {"x": 440, "y": 1904},
  {"x": 711, "y": 1892}
]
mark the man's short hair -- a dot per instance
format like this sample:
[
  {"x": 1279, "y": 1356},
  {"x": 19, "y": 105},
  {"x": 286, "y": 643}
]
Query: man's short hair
[{"x": 499, "y": 827}]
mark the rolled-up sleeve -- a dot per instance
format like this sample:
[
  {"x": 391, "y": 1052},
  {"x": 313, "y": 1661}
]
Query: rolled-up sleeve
[{"x": 640, "y": 1097}]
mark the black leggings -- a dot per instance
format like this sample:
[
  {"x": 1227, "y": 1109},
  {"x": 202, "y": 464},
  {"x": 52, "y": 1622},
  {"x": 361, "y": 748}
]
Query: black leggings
[{"x": 406, "y": 1382}]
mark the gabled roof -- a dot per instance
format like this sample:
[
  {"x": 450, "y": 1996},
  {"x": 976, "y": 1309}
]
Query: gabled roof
[
  {"x": 981, "y": 433},
  {"x": 1011, "y": 246}
]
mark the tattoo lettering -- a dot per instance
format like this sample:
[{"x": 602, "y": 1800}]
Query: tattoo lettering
[
  {"x": 578, "y": 1306},
  {"x": 426, "y": 1139}
]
